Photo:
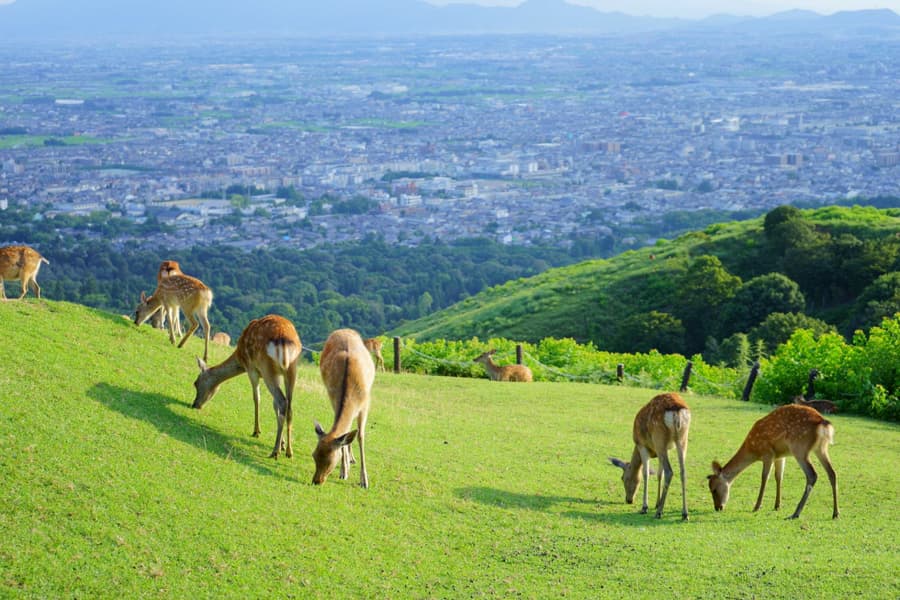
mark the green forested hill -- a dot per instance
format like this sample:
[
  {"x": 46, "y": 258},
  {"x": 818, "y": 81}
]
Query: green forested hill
[{"x": 833, "y": 266}]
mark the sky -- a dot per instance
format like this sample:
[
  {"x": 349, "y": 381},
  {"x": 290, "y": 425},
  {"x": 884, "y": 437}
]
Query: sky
[{"x": 703, "y": 8}]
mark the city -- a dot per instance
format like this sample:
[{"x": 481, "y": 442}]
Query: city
[{"x": 523, "y": 139}]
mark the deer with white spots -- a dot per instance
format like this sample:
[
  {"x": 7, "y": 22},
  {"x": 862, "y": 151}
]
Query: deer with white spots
[
  {"x": 20, "y": 263},
  {"x": 179, "y": 292},
  {"x": 167, "y": 268},
  {"x": 792, "y": 429},
  {"x": 268, "y": 348},
  {"x": 348, "y": 373},
  {"x": 662, "y": 423}
]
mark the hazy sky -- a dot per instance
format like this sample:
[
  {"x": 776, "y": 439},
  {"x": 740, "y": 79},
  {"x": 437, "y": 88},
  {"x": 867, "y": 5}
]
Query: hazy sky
[{"x": 703, "y": 8}]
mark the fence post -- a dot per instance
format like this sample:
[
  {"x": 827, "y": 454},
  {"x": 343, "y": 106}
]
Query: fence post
[
  {"x": 811, "y": 384},
  {"x": 518, "y": 354},
  {"x": 396, "y": 354},
  {"x": 754, "y": 371},
  {"x": 620, "y": 372},
  {"x": 687, "y": 376}
]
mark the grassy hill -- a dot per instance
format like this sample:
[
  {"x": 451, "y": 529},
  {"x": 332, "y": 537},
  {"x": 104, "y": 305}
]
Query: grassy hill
[
  {"x": 115, "y": 487},
  {"x": 589, "y": 301}
]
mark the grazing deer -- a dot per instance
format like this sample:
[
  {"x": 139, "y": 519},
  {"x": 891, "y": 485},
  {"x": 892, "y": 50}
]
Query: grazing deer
[
  {"x": 347, "y": 372},
  {"x": 222, "y": 339},
  {"x": 174, "y": 292},
  {"x": 505, "y": 373},
  {"x": 789, "y": 429},
  {"x": 269, "y": 348},
  {"x": 825, "y": 407},
  {"x": 22, "y": 263},
  {"x": 374, "y": 346},
  {"x": 167, "y": 268},
  {"x": 662, "y": 423}
]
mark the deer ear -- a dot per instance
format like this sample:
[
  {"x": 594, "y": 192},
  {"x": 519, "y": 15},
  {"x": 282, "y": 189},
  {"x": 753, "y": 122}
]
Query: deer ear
[
  {"x": 143, "y": 296},
  {"x": 345, "y": 439},
  {"x": 618, "y": 463},
  {"x": 716, "y": 467},
  {"x": 319, "y": 431}
]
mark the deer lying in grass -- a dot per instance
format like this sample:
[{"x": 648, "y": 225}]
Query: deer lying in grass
[
  {"x": 167, "y": 268},
  {"x": 505, "y": 373},
  {"x": 174, "y": 292},
  {"x": 269, "y": 348},
  {"x": 662, "y": 423},
  {"x": 825, "y": 407},
  {"x": 221, "y": 338},
  {"x": 347, "y": 372},
  {"x": 20, "y": 263},
  {"x": 374, "y": 346},
  {"x": 789, "y": 429}
]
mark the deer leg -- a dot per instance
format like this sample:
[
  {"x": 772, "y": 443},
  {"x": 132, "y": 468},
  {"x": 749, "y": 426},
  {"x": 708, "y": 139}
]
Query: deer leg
[
  {"x": 811, "y": 478},
  {"x": 767, "y": 466},
  {"x": 205, "y": 321},
  {"x": 667, "y": 468},
  {"x": 645, "y": 466},
  {"x": 682, "y": 452},
  {"x": 2, "y": 290},
  {"x": 779, "y": 474},
  {"x": 254, "y": 383},
  {"x": 24, "y": 287},
  {"x": 361, "y": 436},
  {"x": 191, "y": 329},
  {"x": 290, "y": 378},
  {"x": 35, "y": 287},
  {"x": 832, "y": 478},
  {"x": 278, "y": 403}
]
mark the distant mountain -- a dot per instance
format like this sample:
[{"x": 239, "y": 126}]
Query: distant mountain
[{"x": 92, "y": 19}]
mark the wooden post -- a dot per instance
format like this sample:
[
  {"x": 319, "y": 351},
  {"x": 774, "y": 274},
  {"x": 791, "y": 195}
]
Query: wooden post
[
  {"x": 518, "y": 354},
  {"x": 685, "y": 379},
  {"x": 620, "y": 372},
  {"x": 396, "y": 354},
  {"x": 754, "y": 371},
  {"x": 811, "y": 384}
]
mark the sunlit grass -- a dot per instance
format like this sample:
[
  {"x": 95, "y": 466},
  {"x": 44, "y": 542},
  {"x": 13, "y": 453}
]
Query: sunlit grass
[{"x": 114, "y": 486}]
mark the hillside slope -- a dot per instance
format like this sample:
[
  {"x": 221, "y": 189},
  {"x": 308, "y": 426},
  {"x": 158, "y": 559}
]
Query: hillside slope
[
  {"x": 114, "y": 486},
  {"x": 589, "y": 301}
]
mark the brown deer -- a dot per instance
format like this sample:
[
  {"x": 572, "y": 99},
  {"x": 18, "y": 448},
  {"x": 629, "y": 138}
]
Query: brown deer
[
  {"x": 174, "y": 292},
  {"x": 22, "y": 263},
  {"x": 269, "y": 348},
  {"x": 661, "y": 423},
  {"x": 347, "y": 372},
  {"x": 374, "y": 346},
  {"x": 221, "y": 338},
  {"x": 167, "y": 268},
  {"x": 789, "y": 429},
  {"x": 505, "y": 373},
  {"x": 825, "y": 407}
]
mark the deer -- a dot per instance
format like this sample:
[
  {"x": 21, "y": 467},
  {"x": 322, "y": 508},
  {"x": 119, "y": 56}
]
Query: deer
[
  {"x": 20, "y": 263},
  {"x": 504, "y": 373},
  {"x": 167, "y": 268},
  {"x": 174, "y": 292},
  {"x": 348, "y": 373},
  {"x": 659, "y": 425},
  {"x": 825, "y": 407},
  {"x": 221, "y": 339},
  {"x": 374, "y": 346},
  {"x": 268, "y": 348},
  {"x": 789, "y": 429}
]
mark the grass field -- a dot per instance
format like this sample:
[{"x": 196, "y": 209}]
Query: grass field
[{"x": 113, "y": 486}]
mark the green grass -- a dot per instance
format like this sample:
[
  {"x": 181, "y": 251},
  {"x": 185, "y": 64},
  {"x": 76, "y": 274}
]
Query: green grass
[{"x": 115, "y": 487}]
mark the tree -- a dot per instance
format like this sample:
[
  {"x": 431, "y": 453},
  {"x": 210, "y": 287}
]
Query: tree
[
  {"x": 647, "y": 331},
  {"x": 881, "y": 299},
  {"x": 778, "y": 328},
  {"x": 758, "y": 298},
  {"x": 704, "y": 287}
]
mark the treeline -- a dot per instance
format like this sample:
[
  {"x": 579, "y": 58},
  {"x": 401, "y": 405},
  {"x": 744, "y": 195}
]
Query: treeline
[
  {"x": 749, "y": 294},
  {"x": 370, "y": 286}
]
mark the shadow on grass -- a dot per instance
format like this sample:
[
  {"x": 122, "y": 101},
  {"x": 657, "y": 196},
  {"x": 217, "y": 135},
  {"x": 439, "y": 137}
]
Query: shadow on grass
[
  {"x": 538, "y": 502},
  {"x": 156, "y": 409}
]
